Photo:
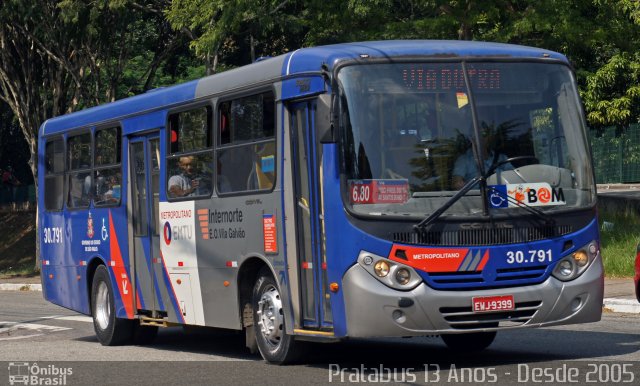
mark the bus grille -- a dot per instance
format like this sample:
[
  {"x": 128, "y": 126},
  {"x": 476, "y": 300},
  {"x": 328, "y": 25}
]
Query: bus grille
[
  {"x": 463, "y": 318},
  {"x": 504, "y": 277},
  {"x": 482, "y": 237}
]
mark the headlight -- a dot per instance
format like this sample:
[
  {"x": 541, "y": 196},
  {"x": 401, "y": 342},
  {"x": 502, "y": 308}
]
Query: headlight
[
  {"x": 389, "y": 272},
  {"x": 573, "y": 265},
  {"x": 403, "y": 276}
]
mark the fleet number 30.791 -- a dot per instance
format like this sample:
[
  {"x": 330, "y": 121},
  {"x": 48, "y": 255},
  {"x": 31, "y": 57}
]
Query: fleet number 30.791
[{"x": 533, "y": 256}]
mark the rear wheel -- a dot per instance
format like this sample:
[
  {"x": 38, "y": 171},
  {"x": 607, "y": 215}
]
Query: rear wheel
[
  {"x": 111, "y": 331},
  {"x": 274, "y": 344},
  {"x": 472, "y": 342}
]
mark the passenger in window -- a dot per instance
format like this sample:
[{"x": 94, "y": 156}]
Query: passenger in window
[
  {"x": 112, "y": 193},
  {"x": 187, "y": 182}
]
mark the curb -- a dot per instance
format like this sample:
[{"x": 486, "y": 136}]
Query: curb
[
  {"x": 626, "y": 306},
  {"x": 20, "y": 287}
]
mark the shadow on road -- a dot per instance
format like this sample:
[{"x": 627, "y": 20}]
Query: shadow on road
[{"x": 510, "y": 347}]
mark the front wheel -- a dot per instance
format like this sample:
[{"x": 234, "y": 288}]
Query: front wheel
[
  {"x": 111, "y": 331},
  {"x": 274, "y": 344},
  {"x": 472, "y": 342}
]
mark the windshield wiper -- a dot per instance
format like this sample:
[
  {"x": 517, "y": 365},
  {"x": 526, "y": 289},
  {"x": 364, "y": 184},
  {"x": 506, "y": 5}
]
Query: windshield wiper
[
  {"x": 464, "y": 190},
  {"x": 548, "y": 220}
]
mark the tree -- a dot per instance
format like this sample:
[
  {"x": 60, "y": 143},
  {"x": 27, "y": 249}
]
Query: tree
[
  {"x": 59, "y": 56},
  {"x": 13, "y": 149},
  {"x": 612, "y": 92},
  {"x": 223, "y": 25}
]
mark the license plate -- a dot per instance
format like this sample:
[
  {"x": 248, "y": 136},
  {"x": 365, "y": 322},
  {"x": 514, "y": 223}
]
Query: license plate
[{"x": 493, "y": 303}]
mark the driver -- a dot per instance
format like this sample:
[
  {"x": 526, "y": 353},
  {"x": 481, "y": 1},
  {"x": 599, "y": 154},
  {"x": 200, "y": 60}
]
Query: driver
[{"x": 466, "y": 167}]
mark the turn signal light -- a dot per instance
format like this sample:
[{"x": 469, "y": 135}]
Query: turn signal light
[
  {"x": 334, "y": 287},
  {"x": 581, "y": 258},
  {"x": 381, "y": 268}
]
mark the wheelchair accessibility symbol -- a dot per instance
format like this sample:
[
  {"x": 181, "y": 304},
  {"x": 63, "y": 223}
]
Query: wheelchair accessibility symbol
[
  {"x": 497, "y": 201},
  {"x": 105, "y": 234}
]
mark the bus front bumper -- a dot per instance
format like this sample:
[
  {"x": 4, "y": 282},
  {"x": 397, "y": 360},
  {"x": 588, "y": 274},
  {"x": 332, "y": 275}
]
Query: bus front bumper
[{"x": 375, "y": 310}]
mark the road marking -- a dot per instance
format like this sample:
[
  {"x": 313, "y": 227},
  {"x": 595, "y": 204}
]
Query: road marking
[
  {"x": 73, "y": 318},
  {"x": 14, "y": 326},
  {"x": 76, "y": 318},
  {"x": 21, "y": 337}
]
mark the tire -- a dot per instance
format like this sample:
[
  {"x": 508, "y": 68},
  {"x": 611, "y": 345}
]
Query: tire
[
  {"x": 274, "y": 344},
  {"x": 111, "y": 331},
  {"x": 472, "y": 342}
]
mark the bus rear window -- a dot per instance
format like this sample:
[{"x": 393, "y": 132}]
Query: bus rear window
[{"x": 54, "y": 174}]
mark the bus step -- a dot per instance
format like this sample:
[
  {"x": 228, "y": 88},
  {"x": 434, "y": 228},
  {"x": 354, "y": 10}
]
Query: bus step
[
  {"x": 315, "y": 335},
  {"x": 147, "y": 321}
]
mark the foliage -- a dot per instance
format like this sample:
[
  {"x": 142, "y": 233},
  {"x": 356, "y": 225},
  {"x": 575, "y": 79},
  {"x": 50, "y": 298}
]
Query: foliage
[
  {"x": 612, "y": 95},
  {"x": 223, "y": 25},
  {"x": 14, "y": 153},
  {"x": 58, "y": 56}
]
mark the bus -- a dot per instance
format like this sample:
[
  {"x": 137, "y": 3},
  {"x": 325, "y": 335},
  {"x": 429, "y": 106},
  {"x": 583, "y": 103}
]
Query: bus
[{"x": 374, "y": 189}]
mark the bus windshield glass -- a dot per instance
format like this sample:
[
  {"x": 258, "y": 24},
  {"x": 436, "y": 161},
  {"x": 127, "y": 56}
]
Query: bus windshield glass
[{"x": 410, "y": 141}]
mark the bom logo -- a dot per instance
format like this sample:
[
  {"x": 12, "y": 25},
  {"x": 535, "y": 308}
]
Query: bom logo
[{"x": 533, "y": 194}]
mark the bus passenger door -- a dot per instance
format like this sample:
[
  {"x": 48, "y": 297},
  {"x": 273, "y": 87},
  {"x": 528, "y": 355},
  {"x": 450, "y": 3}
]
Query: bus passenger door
[
  {"x": 144, "y": 156},
  {"x": 306, "y": 158}
]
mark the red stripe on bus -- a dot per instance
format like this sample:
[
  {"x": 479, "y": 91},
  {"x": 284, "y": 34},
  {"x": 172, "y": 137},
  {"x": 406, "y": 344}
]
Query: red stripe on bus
[
  {"x": 484, "y": 260},
  {"x": 122, "y": 281}
]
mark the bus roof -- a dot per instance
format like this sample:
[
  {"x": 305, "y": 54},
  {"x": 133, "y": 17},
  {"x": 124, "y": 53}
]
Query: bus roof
[
  {"x": 307, "y": 59},
  {"x": 304, "y": 60}
]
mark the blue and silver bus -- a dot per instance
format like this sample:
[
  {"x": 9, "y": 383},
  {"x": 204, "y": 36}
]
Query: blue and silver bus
[{"x": 375, "y": 189}]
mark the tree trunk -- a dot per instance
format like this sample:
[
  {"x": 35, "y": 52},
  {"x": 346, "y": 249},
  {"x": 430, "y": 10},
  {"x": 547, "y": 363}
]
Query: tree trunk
[{"x": 252, "y": 43}]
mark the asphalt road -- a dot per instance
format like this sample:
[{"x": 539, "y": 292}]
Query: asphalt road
[{"x": 56, "y": 340}]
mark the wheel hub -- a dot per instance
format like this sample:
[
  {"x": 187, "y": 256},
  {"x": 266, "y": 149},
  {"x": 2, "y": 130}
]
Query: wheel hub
[
  {"x": 103, "y": 306},
  {"x": 270, "y": 319}
]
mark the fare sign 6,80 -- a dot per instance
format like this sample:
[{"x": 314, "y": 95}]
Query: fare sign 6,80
[
  {"x": 378, "y": 191},
  {"x": 52, "y": 235}
]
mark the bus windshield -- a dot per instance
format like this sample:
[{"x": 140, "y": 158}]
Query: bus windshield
[{"x": 410, "y": 141}]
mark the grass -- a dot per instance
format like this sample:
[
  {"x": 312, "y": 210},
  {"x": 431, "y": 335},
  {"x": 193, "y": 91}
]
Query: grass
[
  {"x": 619, "y": 242},
  {"x": 17, "y": 244}
]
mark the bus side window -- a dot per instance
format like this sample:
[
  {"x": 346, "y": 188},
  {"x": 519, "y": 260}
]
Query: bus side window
[
  {"x": 245, "y": 157},
  {"x": 107, "y": 177},
  {"x": 79, "y": 170},
  {"x": 190, "y": 160}
]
